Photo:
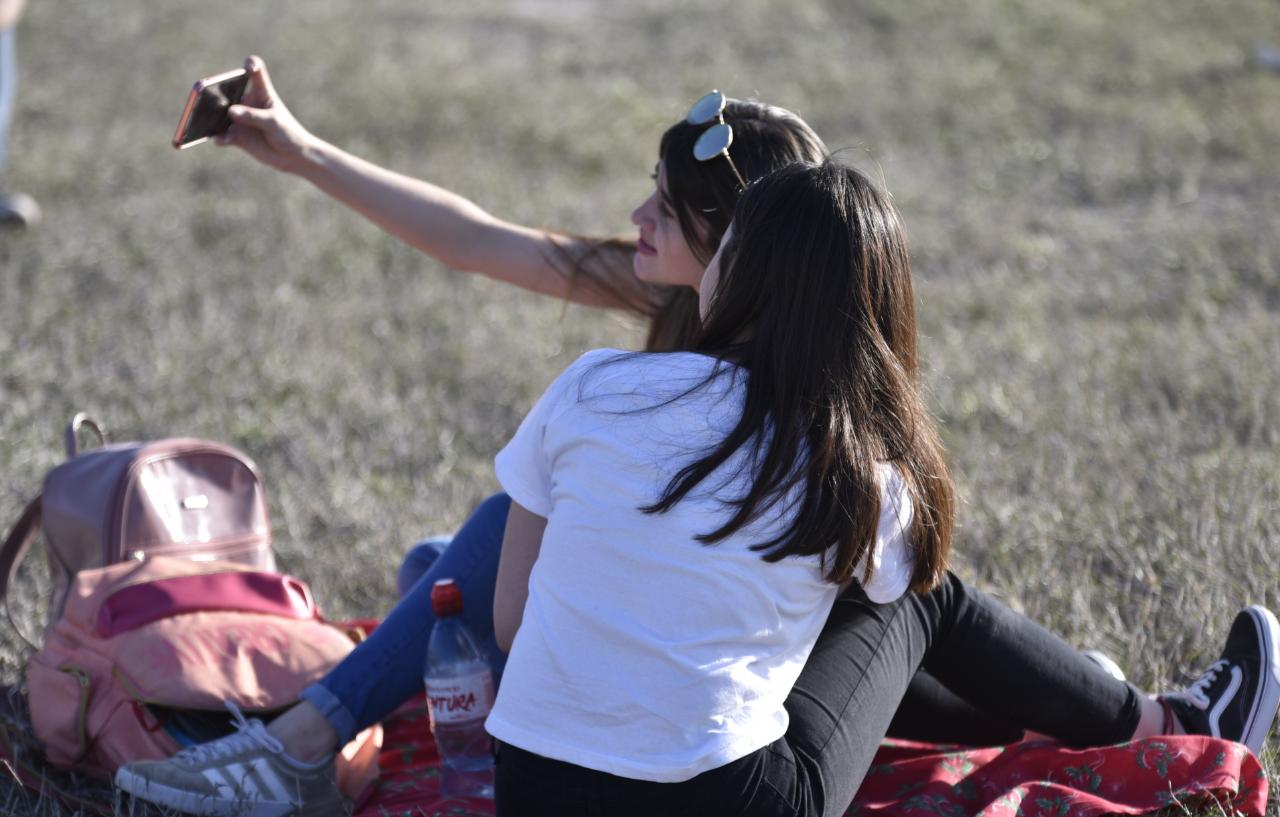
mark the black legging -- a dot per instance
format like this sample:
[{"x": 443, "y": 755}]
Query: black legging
[
  {"x": 841, "y": 706},
  {"x": 932, "y": 713}
]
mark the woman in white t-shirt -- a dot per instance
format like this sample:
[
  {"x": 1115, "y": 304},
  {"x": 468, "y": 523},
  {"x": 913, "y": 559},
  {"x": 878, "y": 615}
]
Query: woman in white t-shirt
[
  {"x": 683, "y": 521},
  {"x": 687, "y": 526}
]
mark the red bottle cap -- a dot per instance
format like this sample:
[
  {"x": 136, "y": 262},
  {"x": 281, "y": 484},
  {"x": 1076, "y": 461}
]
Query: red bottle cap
[{"x": 446, "y": 598}]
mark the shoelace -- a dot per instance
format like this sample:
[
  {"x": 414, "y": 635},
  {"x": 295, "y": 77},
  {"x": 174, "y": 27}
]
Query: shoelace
[
  {"x": 1197, "y": 693},
  {"x": 249, "y": 733}
]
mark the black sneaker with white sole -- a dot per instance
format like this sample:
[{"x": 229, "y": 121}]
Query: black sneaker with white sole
[{"x": 1237, "y": 696}]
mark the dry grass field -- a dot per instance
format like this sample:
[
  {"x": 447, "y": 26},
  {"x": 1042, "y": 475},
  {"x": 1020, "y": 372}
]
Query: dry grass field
[{"x": 1091, "y": 190}]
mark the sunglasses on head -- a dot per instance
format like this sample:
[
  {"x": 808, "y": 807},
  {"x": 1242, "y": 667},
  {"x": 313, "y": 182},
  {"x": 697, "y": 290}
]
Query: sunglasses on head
[{"x": 716, "y": 139}]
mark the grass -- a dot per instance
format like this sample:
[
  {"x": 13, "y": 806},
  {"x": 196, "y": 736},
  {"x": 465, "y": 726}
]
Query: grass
[{"x": 1091, "y": 191}]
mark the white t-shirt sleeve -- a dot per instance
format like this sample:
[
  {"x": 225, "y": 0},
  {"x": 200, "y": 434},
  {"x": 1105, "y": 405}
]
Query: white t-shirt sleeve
[
  {"x": 892, "y": 558},
  {"x": 523, "y": 466}
]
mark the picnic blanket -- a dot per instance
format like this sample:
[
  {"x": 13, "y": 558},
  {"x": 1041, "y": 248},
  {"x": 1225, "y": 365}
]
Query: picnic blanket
[{"x": 1028, "y": 779}]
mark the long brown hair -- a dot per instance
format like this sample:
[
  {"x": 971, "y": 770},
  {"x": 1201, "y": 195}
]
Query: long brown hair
[
  {"x": 815, "y": 301},
  {"x": 703, "y": 195}
]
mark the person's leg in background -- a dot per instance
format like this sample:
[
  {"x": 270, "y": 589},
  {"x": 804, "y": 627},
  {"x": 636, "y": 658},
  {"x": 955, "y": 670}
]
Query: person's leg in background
[{"x": 16, "y": 209}]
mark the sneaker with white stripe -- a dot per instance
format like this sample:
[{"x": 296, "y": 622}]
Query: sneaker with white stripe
[
  {"x": 245, "y": 774},
  {"x": 1236, "y": 698}
]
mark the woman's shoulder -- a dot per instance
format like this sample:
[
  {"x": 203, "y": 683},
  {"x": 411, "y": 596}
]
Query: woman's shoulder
[
  {"x": 594, "y": 357},
  {"x": 897, "y": 512},
  {"x": 624, "y": 363},
  {"x": 655, "y": 377},
  {"x": 594, "y": 363},
  {"x": 893, "y": 488}
]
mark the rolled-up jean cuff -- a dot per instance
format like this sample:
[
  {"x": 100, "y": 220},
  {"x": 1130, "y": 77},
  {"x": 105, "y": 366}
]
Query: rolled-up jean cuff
[{"x": 334, "y": 711}]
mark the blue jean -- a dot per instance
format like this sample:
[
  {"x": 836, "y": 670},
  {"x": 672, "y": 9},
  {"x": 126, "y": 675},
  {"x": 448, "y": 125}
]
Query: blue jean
[{"x": 386, "y": 669}]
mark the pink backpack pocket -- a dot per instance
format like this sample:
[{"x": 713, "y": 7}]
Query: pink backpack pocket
[{"x": 141, "y": 644}]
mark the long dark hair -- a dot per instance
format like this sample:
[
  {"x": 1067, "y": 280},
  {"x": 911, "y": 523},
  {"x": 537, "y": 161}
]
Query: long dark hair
[
  {"x": 703, "y": 195},
  {"x": 815, "y": 301}
]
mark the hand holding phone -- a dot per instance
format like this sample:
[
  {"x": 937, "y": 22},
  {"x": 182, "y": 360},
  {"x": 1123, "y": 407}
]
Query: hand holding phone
[
  {"x": 261, "y": 125},
  {"x": 205, "y": 114}
]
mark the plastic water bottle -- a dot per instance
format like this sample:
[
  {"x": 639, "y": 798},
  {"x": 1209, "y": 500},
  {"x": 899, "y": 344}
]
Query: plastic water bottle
[{"x": 459, "y": 696}]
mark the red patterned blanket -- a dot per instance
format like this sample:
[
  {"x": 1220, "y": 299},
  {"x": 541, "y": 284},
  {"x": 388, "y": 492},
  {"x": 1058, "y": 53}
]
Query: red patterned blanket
[{"x": 1029, "y": 779}]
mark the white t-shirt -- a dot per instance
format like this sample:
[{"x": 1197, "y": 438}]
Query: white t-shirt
[{"x": 643, "y": 652}]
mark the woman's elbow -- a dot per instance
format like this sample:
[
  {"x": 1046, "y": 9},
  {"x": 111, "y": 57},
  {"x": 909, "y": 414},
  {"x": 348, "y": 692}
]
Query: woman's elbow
[{"x": 504, "y": 640}]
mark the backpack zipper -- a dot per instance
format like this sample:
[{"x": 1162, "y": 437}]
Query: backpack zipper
[{"x": 82, "y": 712}]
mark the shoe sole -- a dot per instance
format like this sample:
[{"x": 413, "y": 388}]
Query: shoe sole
[
  {"x": 1268, "y": 699},
  {"x": 192, "y": 803}
]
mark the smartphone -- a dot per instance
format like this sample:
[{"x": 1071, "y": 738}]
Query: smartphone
[{"x": 205, "y": 115}]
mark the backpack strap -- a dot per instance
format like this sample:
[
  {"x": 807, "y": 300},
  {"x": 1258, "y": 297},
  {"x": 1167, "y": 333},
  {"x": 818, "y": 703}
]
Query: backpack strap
[
  {"x": 23, "y": 758},
  {"x": 13, "y": 550}
]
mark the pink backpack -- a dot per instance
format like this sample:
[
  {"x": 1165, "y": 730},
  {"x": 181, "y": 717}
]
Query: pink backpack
[
  {"x": 164, "y": 606},
  {"x": 146, "y": 652},
  {"x": 177, "y": 497}
]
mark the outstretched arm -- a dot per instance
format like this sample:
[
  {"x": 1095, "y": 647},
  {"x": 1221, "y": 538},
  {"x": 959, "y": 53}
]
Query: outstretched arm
[{"x": 440, "y": 223}]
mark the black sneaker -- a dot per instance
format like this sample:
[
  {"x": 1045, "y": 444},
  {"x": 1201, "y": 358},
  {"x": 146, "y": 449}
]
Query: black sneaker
[{"x": 1237, "y": 696}]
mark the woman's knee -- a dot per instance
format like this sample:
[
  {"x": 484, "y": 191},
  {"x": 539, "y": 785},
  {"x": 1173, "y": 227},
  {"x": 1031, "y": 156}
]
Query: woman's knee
[
  {"x": 417, "y": 562},
  {"x": 483, "y": 530},
  {"x": 492, "y": 511}
]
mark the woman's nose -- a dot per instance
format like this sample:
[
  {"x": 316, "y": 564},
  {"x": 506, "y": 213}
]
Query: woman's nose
[{"x": 641, "y": 214}]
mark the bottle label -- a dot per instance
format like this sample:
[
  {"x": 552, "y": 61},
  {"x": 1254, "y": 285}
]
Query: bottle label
[{"x": 461, "y": 699}]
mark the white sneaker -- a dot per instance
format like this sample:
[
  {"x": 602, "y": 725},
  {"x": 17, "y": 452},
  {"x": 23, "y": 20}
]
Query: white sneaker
[{"x": 245, "y": 774}]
